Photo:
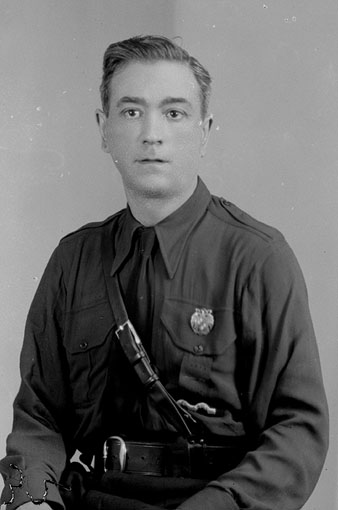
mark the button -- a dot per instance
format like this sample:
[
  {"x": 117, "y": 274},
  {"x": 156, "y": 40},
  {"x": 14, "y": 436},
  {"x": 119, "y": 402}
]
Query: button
[
  {"x": 226, "y": 202},
  {"x": 198, "y": 349},
  {"x": 83, "y": 345}
]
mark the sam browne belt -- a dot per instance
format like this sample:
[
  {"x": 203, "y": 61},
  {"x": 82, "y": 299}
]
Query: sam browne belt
[{"x": 181, "y": 459}]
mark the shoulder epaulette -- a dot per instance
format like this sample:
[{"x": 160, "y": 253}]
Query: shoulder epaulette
[
  {"x": 93, "y": 225},
  {"x": 240, "y": 219}
]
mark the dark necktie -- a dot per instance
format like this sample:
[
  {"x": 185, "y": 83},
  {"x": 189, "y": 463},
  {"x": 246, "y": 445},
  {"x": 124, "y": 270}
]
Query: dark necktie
[{"x": 140, "y": 289}]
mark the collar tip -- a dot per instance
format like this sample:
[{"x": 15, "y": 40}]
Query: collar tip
[{"x": 171, "y": 274}]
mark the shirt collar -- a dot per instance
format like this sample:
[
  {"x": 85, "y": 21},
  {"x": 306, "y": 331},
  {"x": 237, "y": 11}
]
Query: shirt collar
[{"x": 172, "y": 232}]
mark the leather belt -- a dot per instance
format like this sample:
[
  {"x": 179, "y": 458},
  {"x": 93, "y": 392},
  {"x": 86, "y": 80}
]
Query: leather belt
[{"x": 182, "y": 459}]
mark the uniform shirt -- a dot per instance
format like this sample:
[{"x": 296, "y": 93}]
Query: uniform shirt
[{"x": 258, "y": 367}]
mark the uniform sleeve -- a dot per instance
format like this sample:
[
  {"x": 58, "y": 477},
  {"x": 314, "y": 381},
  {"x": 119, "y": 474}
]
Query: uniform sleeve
[
  {"x": 283, "y": 394},
  {"x": 36, "y": 450}
]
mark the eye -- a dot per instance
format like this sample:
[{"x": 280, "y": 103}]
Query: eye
[
  {"x": 175, "y": 114},
  {"x": 131, "y": 113}
]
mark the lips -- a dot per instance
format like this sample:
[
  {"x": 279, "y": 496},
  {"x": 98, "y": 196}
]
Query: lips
[{"x": 152, "y": 160}]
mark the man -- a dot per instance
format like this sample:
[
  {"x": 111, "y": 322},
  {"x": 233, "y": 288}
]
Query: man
[{"x": 219, "y": 303}]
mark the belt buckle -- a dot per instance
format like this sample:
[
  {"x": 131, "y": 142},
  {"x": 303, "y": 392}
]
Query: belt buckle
[{"x": 122, "y": 455}]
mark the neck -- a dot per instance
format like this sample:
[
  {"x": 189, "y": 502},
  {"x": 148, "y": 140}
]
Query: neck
[{"x": 150, "y": 210}]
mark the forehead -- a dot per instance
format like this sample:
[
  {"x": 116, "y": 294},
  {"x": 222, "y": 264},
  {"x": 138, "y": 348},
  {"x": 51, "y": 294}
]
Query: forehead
[{"x": 154, "y": 81}]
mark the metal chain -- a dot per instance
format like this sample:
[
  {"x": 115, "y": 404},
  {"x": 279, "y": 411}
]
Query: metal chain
[
  {"x": 36, "y": 501},
  {"x": 12, "y": 487}
]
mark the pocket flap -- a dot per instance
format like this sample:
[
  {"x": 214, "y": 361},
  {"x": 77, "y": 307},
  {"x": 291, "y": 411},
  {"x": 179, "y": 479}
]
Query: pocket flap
[
  {"x": 88, "y": 328},
  {"x": 177, "y": 319}
]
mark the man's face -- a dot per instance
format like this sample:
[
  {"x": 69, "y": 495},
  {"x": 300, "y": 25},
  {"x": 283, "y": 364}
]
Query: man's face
[{"x": 154, "y": 131}]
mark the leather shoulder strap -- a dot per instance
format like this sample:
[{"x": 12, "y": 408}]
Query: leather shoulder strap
[{"x": 136, "y": 354}]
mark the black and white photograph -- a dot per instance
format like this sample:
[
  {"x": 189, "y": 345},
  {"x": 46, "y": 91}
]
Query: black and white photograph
[{"x": 169, "y": 254}]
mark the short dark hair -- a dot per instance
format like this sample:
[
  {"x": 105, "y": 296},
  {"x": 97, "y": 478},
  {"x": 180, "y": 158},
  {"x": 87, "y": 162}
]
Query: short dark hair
[{"x": 150, "y": 48}]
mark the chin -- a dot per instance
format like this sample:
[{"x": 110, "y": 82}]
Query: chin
[
  {"x": 157, "y": 187},
  {"x": 162, "y": 186},
  {"x": 158, "y": 191}
]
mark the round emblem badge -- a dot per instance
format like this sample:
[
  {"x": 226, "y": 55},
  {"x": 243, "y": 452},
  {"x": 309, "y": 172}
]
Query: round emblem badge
[{"x": 202, "y": 321}]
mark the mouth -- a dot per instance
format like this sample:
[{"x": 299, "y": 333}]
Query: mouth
[{"x": 148, "y": 161}]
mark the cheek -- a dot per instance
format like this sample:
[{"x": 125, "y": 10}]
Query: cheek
[
  {"x": 119, "y": 145},
  {"x": 122, "y": 157},
  {"x": 189, "y": 144}
]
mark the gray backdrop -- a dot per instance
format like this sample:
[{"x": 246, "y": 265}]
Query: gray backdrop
[{"x": 273, "y": 150}]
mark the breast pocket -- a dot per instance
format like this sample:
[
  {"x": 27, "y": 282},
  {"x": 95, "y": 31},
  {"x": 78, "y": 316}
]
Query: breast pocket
[
  {"x": 88, "y": 337},
  {"x": 202, "y": 340}
]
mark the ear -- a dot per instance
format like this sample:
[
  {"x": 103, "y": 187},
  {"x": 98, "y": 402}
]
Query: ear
[
  {"x": 206, "y": 128},
  {"x": 101, "y": 120}
]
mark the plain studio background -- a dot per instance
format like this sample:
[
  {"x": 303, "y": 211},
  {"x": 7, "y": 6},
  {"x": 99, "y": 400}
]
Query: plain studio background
[{"x": 273, "y": 150}]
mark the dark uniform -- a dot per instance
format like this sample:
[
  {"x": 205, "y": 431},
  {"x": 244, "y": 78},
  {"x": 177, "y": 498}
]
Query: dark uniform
[{"x": 231, "y": 336}]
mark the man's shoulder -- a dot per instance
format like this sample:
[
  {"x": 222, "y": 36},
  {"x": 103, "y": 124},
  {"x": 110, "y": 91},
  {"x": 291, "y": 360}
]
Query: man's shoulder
[
  {"x": 242, "y": 225},
  {"x": 92, "y": 230}
]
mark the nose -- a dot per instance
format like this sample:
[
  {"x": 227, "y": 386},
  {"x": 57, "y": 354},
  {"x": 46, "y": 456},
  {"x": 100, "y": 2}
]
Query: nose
[{"x": 152, "y": 132}]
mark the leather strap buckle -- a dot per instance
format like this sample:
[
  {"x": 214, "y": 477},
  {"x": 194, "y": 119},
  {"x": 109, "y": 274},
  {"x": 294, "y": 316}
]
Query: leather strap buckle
[
  {"x": 127, "y": 324},
  {"x": 122, "y": 452}
]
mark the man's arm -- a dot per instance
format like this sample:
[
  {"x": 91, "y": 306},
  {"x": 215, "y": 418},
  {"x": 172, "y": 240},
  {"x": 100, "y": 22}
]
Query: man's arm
[
  {"x": 286, "y": 403},
  {"x": 36, "y": 453}
]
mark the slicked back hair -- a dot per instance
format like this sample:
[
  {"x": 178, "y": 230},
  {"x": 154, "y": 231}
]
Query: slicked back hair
[{"x": 151, "y": 48}]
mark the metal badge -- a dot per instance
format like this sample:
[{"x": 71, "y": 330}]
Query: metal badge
[{"x": 202, "y": 321}]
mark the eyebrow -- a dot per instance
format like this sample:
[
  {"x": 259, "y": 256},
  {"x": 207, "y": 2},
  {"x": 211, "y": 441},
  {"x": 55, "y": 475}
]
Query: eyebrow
[{"x": 143, "y": 102}]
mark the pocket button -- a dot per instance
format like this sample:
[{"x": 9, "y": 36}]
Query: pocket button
[
  {"x": 83, "y": 345},
  {"x": 198, "y": 349}
]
